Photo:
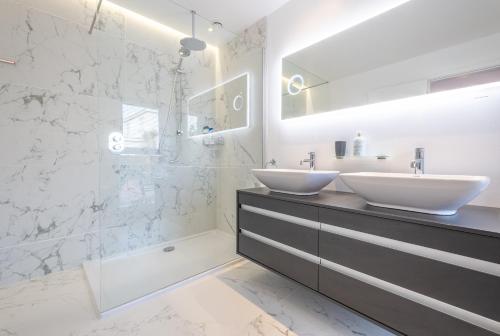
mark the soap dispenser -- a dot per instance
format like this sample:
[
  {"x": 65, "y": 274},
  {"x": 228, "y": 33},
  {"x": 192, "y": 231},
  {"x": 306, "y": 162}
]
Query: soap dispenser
[{"x": 359, "y": 144}]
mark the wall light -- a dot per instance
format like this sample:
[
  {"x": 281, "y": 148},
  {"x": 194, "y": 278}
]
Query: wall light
[{"x": 295, "y": 84}]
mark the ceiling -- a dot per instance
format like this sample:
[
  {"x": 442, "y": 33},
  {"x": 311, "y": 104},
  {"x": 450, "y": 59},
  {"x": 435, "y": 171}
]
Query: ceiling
[{"x": 235, "y": 15}]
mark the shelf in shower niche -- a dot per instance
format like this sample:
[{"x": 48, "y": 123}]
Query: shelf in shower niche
[
  {"x": 213, "y": 141},
  {"x": 364, "y": 157}
]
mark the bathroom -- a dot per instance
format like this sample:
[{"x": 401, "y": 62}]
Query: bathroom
[{"x": 141, "y": 139}]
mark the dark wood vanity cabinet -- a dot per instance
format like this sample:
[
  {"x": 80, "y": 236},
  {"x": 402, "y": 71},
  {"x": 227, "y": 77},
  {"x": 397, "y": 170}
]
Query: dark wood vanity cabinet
[{"x": 414, "y": 273}]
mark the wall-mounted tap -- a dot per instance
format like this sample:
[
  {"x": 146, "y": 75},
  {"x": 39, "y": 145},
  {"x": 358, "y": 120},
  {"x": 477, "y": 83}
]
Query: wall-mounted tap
[
  {"x": 311, "y": 160},
  {"x": 418, "y": 163}
]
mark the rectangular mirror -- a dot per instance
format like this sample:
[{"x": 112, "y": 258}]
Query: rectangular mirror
[
  {"x": 419, "y": 47},
  {"x": 221, "y": 108}
]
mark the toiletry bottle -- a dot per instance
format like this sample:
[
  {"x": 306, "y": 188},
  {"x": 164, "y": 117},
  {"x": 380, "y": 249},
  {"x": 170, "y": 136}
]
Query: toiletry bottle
[{"x": 358, "y": 148}]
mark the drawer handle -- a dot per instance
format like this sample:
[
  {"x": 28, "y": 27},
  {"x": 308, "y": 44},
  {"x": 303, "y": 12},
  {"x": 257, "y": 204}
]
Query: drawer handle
[
  {"x": 459, "y": 313},
  {"x": 285, "y": 248},
  {"x": 421, "y": 251},
  {"x": 277, "y": 215}
]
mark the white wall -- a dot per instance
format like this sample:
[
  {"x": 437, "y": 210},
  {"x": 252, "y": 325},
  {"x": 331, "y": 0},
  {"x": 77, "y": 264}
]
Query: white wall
[{"x": 460, "y": 131}]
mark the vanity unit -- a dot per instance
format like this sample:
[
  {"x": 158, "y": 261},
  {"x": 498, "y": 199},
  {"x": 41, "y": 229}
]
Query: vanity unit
[{"x": 417, "y": 274}]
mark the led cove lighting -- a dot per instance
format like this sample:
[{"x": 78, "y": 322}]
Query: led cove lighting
[
  {"x": 151, "y": 22},
  {"x": 431, "y": 98}
]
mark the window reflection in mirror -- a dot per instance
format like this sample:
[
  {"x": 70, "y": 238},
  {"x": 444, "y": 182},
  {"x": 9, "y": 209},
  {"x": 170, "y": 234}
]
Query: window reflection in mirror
[
  {"x": 419, "y": 47},
  {"x": 140, "y": 129}
]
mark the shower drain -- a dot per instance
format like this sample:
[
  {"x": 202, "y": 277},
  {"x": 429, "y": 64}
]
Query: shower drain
[{"x": 169, "y": 249}]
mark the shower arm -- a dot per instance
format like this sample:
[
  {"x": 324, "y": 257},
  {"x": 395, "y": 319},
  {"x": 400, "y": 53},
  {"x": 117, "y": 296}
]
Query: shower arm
[{"x": 193, "y": 23}]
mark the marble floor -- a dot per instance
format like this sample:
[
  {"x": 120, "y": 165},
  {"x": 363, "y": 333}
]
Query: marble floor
[
  {"x": 241, "y": 299},
  {"x": 124, "y": 278}
]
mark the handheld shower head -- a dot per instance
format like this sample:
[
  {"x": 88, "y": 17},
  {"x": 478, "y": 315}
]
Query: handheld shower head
[{"x": 184, "y": 52}]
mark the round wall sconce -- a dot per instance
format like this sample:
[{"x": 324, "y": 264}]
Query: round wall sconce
[
  {"x": 295, "y": 84},
  {"x": 238, "y": 103}
]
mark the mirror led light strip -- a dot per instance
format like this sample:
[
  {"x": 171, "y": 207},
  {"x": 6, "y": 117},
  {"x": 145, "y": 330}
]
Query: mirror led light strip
[
  {"x": 459, "y": 313},
  {"x": 421, "y": 251},
  {"x": 296, "y": 252},
  {"x": 277, "y": 215}
]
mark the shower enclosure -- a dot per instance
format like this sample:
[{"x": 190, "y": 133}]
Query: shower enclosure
[{"x": 180, "y": 131}]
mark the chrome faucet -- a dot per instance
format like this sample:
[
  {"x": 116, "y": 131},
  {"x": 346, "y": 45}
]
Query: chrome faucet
[
  {"x": 271, "y": 162},
  {"x": 311, "y": 160},
  {"x": 418, "y": 163}
]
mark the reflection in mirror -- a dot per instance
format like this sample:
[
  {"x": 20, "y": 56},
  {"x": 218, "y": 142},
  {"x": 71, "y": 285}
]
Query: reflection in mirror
[
  {"x": 221, "y": 108},
  {"x": 140, "y": 129},
  {"x": 419, "y": 47}
]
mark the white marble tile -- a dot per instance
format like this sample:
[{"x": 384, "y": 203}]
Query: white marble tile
[
  {"x": 189, "y": 197},
  {"x": 111, "y": 66},
  {"x": 141, "y": 76},
  {"x": 81, "y": 12},
  {"x": 239, "y": 300},
  {"x": 43, "y": 127},
  {"x": 38, "y": 203},
  {"x": 37, "y": 259},
  {"x": 50, "y": 52},
  {"x": 251, "y": 39},
  {"x": 229, "y": 180}
]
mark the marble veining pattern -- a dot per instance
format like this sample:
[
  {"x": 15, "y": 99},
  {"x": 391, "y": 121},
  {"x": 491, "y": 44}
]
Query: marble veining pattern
[
  {"x": 65, "y": 198},
  {"x": 242, "y": 150},
  {"x": 268, "y": 304}
]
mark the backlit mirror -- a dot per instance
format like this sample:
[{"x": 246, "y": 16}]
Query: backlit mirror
[
  {"x": 419, "y": 47},
  {"x": 221, "y": 108}
]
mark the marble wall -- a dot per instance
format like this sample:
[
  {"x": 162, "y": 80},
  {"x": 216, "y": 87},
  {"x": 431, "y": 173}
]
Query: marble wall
[
  {"x": 49, "y": 130},
  {"x": 243, "y": 148},
  {"x": 64, "y": 197}
]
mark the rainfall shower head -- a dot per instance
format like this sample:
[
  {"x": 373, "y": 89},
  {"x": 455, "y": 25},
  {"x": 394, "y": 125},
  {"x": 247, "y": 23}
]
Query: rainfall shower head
[{"x": 192, "y": 43}]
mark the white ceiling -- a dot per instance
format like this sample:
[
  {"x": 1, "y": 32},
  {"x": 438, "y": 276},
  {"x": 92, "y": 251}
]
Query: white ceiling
[{"x": 235, "y": 15}]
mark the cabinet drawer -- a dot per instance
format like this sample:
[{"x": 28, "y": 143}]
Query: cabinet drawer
[
  {"x": 289, "y": 208},
  {"x": 468, "y": 289},
  {"x": 463, "y": 243},
  {"x": 285, "y": 263},
  {"x": 401, "y": 314},
  {"x": 292, "y": 234}
]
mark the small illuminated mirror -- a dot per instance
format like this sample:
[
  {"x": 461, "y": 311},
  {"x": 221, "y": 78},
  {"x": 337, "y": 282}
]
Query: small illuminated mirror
[
  {"x": 238, "y": 102},
  {"x": 221, "y": 108},
  {"x": 295, "y": 84}
]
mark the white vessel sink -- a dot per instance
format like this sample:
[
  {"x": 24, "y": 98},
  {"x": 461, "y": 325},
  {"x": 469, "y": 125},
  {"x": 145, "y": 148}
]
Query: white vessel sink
[
  {"x": 294, "y": 181},
  {"x": 433, "y": 194}
]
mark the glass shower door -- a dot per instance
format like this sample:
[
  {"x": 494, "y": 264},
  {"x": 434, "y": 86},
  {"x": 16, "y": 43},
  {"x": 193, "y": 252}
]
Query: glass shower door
[{"x": 167, "y": 195}]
